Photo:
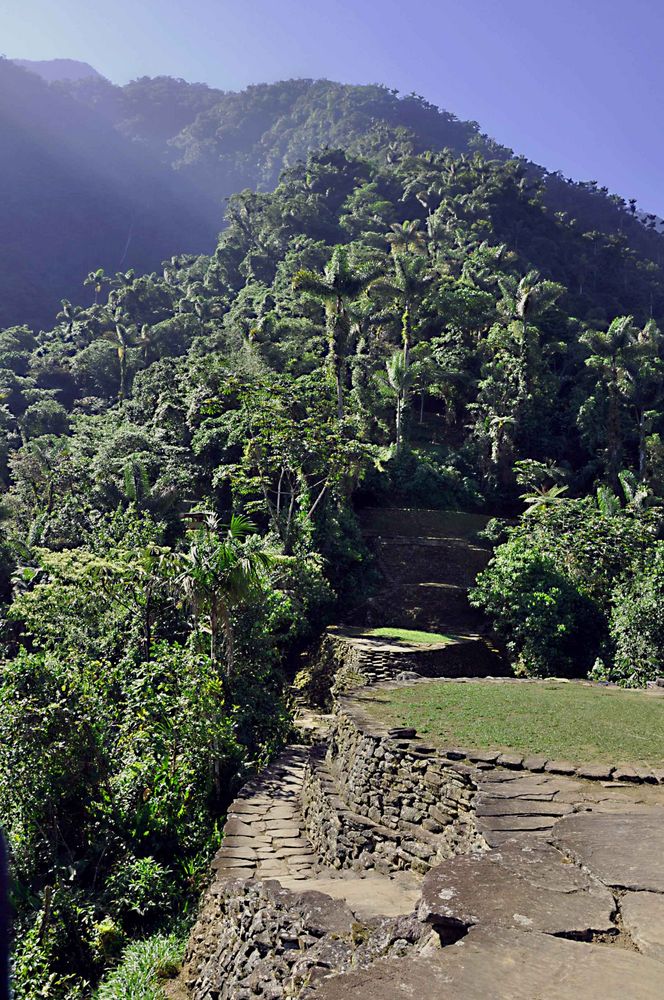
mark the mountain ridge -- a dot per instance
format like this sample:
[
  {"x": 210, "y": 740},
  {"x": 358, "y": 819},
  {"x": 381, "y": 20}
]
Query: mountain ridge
[
  {"x": 171, "y": 152},
  {"x": 52, "y": 70}
]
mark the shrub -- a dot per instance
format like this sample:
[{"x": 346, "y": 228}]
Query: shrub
[
  {"x": 45, "y": 417},
  {"x": 420, "y": 479},
  {"x": 548, "y": 625},
  {"x": 637, "y": 624}
]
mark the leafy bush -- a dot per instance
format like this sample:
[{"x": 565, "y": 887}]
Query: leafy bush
[
  {"x": 553, "y": 581},
  {"x": 420, "y": 479},
  {"x": 111, "y": 783},
  {"x": 637, "y": 624},
  {"x": 548, "y": 625}
]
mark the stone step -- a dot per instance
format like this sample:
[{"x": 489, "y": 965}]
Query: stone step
[
  {"x": 411, "y": 560},
  {"x": 414, "y": 522}
]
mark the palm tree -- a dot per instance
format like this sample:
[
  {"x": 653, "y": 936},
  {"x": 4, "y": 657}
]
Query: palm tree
[
  {"x": 406, "y": 236},
  {"x": 524, "y": 301},
  {"x": 97, "y": 279},
  {"x": 120, "y": 335},
  {"x": 337, "y": 288},
  {"x": 609, "y": 353},
  {"x": 528, "y": 297},
  {"x": 407, "y": 287},
  {"x": 542, "y": 497},
  {"x": 219, "y": 572},
  {"x": 400, "y": 379},
  {"x": 69, "y": 314},
  {"x": 644, "y": 370}
]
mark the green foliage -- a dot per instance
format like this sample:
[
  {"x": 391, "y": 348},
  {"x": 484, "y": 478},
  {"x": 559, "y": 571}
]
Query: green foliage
[
  {"x": 419, "y": 478},
  {"x": 637, "y": 623},
  {"x": 547, "y": 624},
  {"x": 143, "y": 968},
  {"x": 551, "y": 584},
  {"x": 403, "y": 320}
]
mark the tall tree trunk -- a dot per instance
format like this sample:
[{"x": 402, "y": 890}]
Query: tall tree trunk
[
  {"x": 339, "y": 376},
  {"x": 406, "y": 334},
  {"x": 399, "y": 419},
  {"x": 613, "y": 439},
  {"x": 642, "y": 446}
]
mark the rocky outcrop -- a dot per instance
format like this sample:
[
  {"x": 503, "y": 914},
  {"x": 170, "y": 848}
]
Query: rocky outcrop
[{"x": 494, "y": 963}]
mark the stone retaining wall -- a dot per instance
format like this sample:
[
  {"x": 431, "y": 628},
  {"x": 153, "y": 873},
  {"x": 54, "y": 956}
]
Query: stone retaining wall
[
  {"x": 257, "y": 939},
  {"x": 378, "y": 802},
  {"x": 348, "y": 659}
]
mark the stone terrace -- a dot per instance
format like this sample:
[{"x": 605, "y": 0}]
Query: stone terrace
[{"x": 374, "y": 866}]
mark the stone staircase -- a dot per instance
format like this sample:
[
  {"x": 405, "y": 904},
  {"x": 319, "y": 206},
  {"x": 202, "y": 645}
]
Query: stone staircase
[{"x": 428, "y": 560}]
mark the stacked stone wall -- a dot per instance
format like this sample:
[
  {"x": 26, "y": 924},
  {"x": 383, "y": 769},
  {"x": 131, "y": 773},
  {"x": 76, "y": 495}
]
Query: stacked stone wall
[{"x": 376, "y": 802}]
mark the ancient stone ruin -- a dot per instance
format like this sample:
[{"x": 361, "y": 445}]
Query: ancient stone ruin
[{"x": 370, "y": 864}]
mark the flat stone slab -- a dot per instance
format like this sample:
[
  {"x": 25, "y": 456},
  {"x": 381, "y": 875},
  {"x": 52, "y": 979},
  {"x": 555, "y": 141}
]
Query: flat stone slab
[
  {"x": 478, "y": 890},
  {"x": 536, "y": 763},
  {"x": 483, "y": 756},
  {"x": 514, "y": 823},
  {"x": 499, "y": 964},
  {"x": 625, "y": 772},
  {"x": 501, "y": 806},
  {"x": 238, "y": 854},
  {"x": 623, "y": 849},
  {"x": 511, "y": 760},
  {"x": 595, "y": 772},
  {"x": 643, "y": 918},
  {"x": 541, "y": 864},
  {"x": 236, "y": 828},
  {"x": 560, "y": 767},
  {"x": 368, "y": 897}
]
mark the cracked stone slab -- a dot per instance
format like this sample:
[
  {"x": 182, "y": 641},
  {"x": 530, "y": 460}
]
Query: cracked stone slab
[
  {"x": 622, "y": 849},
  {"x": 483, "y": 890},
  {"x": 498, "y": 964},
  {"x": 643, "y": 919},
  {"x": 539, "y": 862}
]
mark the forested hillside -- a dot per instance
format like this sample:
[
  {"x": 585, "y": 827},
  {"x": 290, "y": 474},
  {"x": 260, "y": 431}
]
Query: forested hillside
[
  {"x": 125, "y": 176},
  {"x": 183, "y": 452}
]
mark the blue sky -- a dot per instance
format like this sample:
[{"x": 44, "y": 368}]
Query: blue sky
[{"x": 576, "y": 85}]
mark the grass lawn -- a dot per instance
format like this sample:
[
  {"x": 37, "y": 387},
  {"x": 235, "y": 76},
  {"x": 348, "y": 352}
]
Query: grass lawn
[
  {"x": 409, "y": 635},
  {"x": 564, "y": 721}
]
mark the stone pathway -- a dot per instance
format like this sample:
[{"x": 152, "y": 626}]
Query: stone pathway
[
  {"x": 264, "y": 839},
  {"x": 492, "y": 963}
]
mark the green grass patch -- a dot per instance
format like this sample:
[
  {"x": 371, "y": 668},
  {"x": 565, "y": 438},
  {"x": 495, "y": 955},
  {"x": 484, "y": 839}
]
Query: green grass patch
[
  {"x": 575, "y": 722},
  {"x": 411, "y": 636},
  {"x": 143, "y": 969}
]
